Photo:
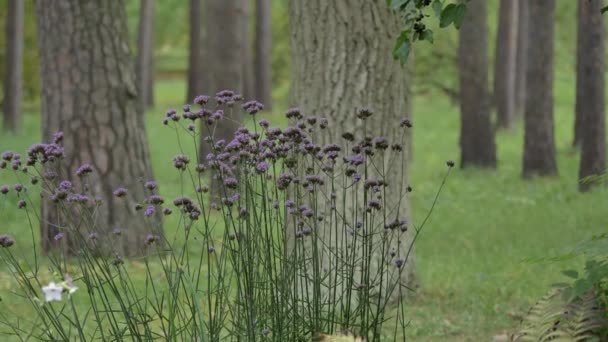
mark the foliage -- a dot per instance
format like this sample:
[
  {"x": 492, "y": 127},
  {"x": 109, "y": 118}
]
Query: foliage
[
  {"x": 553, "y": 319},
  {"x": 266, "y": 270},
  {"x": 413, "y": 14}
]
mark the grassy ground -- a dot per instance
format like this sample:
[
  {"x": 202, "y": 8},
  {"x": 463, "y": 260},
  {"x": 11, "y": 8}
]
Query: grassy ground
[{"x": 471, "y": 258}]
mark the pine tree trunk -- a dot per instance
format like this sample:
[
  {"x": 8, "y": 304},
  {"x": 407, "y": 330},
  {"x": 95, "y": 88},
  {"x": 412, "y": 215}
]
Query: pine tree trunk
[
  {"x": 352, "y": 68},
  {"x": 522, "y": 56},
  {"x": 89, "y": 93},
  {"x": 539, "y": 141},
  {"x": 13, "y": 74},
  {"x": 590, "y": 98},
  {"x": 263, "y": 53},
  {"x": 195, "y": 57},
  {"x": 476, "y": 135},
  {"x": 248, "y": 71},
  {"x": 505, "y": 65},
  {"x": 145, "y": 53},
  {"x": 225, "y": 49}
]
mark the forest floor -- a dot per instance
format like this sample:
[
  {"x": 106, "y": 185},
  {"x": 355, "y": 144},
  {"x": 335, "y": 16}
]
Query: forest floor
[{"x": 473, "y": 258}]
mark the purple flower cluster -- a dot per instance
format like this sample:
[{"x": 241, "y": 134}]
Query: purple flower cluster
[{"x": 6, "y": 241}]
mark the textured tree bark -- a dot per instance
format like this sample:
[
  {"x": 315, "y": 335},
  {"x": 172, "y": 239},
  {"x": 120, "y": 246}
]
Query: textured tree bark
[
  {"x": 225, "y": 48},
  {"x": 522, "y": 55},
  {"x": 195, "y": 56},
  {"x": 590, "y": 98},
  {"x": 539, "y": 142},
  {"x": 89, "y": 93},
  {"x": 334, "y": 74},
  {"x": 13, "y": 74},
  {"x": 145, "y": 53},
  {"x": 505, "y": 65},
  {"x": 477, "y": 145},
  {"x": 263, "y": 53},
  {"x": 247, "y": 62}
]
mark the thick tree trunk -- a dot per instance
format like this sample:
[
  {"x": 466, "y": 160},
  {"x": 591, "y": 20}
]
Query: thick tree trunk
[
  {"x": 476, "y": 134},
  {"x": 522, "y": 55},
  {"x": 352, "y": 68},
  {"x": 263, "y": 53},
  {"x": 13, "y": 73},
  {"x": 195, "y": 57},
  {"x": 590, "y": 98},
  {"x": 539, "y": 142},
  {"x": 248, "y": 71},
  {"x": 505, "y": 64},
  {"x": 225, "y": 49},
  {"x": 89, "y": 93},
  {"x": 145, "y": 53}
]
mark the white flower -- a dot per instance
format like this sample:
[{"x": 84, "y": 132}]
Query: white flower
[{"x": 52, "y": 292}]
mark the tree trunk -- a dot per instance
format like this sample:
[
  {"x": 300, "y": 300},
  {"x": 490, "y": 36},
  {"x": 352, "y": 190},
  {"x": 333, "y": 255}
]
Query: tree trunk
[
  {"x": 13, "y": 74},
  {"x": 352, "y": 68},
  {"x": 505, "y": 65},
  {"x": 145, "y": 53},
  {"x": 590, "y": 99},
  {"x": 89, "y": 93},
  {"x": 539, "y": 144},
  {"x": 581, "y": 97},
  {"x": 263, "y": 53},
  {"x": 195, "y": 58},
  {"x": 225, "y": 49},
  {"x": 476, "y": 135},
  {"x": 248, "y": 72},
  {"x": 522, "y": 55}
]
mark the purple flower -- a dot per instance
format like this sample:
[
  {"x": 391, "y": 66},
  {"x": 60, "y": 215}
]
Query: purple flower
[
  {"x": 21, "y": 204},
  {"x": 364, "y": 113},
  {"x": 200, "y": 168},
  {"x": 116, "y": 231},
  {"x": 4, "y": 189},
  {"x": 57, "y": 137},
  {"x": 405, "y": 123},
  {"x": 252, "y": 107},
  {"x": 2, "y": 164},
  {"x": 399, "y": 262},
  {"x": 93, "y": 236},
  {"x": 284, "y": 180},
  {"x": 167, "y": 211},
  {"x": 151, "y": 238},
  {"x": 67, "y": 185},
  {"x": 294, "y": 113},
  {"x": 120, "y": 192},
  {"x": 374, "y": 204},
  {"x": 262, "y": 167},
  {"x": 201, "y": 99},
  {"x": 50, "y": 175},
  {"x": 181, "y": 161},
  {"x": 185, "y": 201},
  {"x": 6, "y": 241},
  {"x": 7, "y": 155},
  {"x": 290, "y": 203},
  {"x": 84, "y": 169},
  {"x": 264, "y": 123},
  {"x": 18, "y": 187},
  {"x": 202, "y": 188},
  {"x": 155, "y": 199},
  {"x": 150, "y": 185},
  {"x": 380, "y": 143},
  {"x": 150, "y": 210},
  {"x": 58, "y": 237},
  {"x": 323, "y": 123},
  {"x": 231, "y": 183},
  {"x": 370, "y": 182}
]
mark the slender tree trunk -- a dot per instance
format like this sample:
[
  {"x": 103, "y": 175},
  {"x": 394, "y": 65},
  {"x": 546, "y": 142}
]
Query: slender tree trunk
[
  {"x": 335, "y": 74},
  {"x": 248, "y": 71},
  {"x": 476, "y": 135},
  {"x": 145, "y": 53},
  {"x": 13, "y": 73},
  {"x": 195, "y": 57},
  {"x": 89, "y": 93},
  {"x": 522, "y": 55},
  {"x": 505, "y": 65},
  {"x": 263, "y": 53},
  {"x": 539, "y": 142},
  {"x": 581, "y": 44},
  {"x": 590, "y": 98},
  {"x": 225, "y": 49}
]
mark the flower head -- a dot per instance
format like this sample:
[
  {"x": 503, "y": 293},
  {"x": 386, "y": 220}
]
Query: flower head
[
  {"x": 83, "y": 170},
  {"x": 6, "y": 241}
]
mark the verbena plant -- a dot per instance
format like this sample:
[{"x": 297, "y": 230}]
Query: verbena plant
[{"x": 296, "y": 239}]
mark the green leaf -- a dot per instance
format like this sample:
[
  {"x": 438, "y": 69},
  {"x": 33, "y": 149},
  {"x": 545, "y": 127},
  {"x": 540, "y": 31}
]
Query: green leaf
[
  {"x": 401, "y": 51},
  {"x": 604, "y": 9},
  {"x": 397, "y": 4},
  {"x": 427, "y": 35},
  {"x": 460, "y": 11},
  {"x": 437, "y": 7},
  {"x": 447, "y": 15},
  {"x": 571, "y": 273}
]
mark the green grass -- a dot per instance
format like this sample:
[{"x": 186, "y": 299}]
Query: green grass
[{"x": 471, "y": 256}]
